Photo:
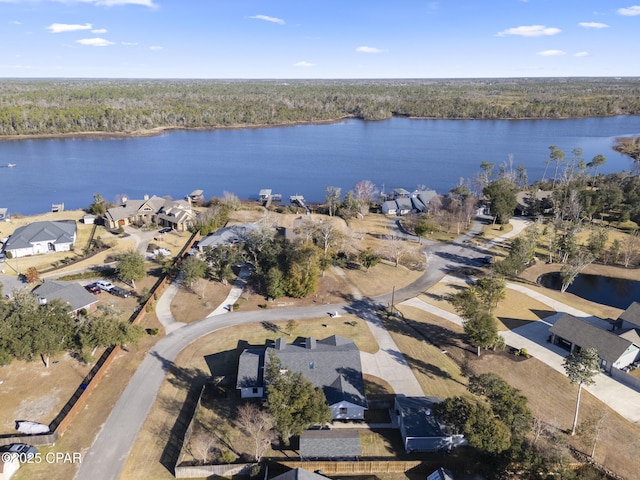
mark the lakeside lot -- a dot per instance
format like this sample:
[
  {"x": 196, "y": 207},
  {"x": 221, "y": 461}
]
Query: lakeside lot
[{"x": 421, "y": 337}]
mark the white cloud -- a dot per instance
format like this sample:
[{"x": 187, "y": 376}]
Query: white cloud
[
  {"x": 365, "y": 49},
  {"x": 129, "y": 44},
  {"x": 155, "y": 47},
  {"x": 304, "y": 64},
  {"x": 16, "y": 22},
  {"x": 266, "y": 18},
  {"x": 593, "y": 25},
  {"x": 530, "y": 31},
  {"x": 111, "y": 3},
  {"x": 630, "y": 11},
  {"x": 99, "y": 30},
  {"x": 581, "y": 54},
  {"x": 551, "y": 53},
  {"x": 66, "y": 27},
  {"x": 94, "y": 42}
]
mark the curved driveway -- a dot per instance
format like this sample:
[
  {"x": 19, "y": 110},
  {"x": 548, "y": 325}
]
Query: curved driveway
[{"x": 107, "y": 456}]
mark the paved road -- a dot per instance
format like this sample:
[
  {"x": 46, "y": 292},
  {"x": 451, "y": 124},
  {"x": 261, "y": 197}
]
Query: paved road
[{"x": 107, "y": 456}]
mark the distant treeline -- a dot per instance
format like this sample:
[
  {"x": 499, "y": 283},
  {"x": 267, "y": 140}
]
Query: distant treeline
[{"x": 130, "y": 106}]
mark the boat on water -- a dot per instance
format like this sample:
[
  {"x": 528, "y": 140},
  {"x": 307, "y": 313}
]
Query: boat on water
[{"x": 11, "y": 165}]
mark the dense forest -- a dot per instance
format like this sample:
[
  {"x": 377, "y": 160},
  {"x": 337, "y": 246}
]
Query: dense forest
[{"x": 45, "y": 107}]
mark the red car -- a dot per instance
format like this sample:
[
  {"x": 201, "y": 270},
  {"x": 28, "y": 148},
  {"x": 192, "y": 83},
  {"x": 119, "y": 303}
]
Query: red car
[{"x": 93, "y": 288}]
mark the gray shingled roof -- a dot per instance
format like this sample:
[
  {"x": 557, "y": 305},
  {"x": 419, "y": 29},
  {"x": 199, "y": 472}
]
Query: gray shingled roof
[
  {"x": 229, "y": 235},
  {"x": 426, "y": 196},
  {"x": 417, "y": 418},
  {"x": 333, "y": 364},
  {"x": 250, "y": 368},
  {"x": 404, "y": 203},
  {"x": 60, "y": 232},
  {"x": 330, "y": 444},
  {"x": 632, "y": 314},
  {"x": 72, "y": 293},
  {"x": 299, "y": 474},
  {"x": 610, "y": 346}
]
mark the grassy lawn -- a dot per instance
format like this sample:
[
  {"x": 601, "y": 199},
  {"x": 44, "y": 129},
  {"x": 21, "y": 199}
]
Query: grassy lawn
[
  {"x": 491, "y": 231},
  {"x": 156, "y": 448},
  {"x": 437, "y": 372},
  {"x": 552, "y": 399},
  {"x": 379, "y": 279},
  {"x": 188, "y": 306},
  {"x": 83, "y": 429}
]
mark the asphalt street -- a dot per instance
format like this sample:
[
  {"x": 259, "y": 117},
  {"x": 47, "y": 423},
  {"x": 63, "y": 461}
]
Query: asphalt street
[{"x": 107, "y": 456}]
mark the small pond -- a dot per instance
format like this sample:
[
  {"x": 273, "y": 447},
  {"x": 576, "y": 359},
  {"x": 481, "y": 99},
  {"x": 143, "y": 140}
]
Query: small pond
[{"x": 615, "y": 292}]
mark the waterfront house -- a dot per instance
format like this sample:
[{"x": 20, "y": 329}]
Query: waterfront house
[
  {"x": 227, "y": 236},
  {"x": 175, "y": 214},
  {"x": 390, "y": 207},
  {"x": 332, "y": 364},
  {"x": 41, "y": 237}
]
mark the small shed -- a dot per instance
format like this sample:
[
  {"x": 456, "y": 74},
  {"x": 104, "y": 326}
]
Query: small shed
[
  {"x": 89, "y": 219},
  {"x": 4, "y": 216},
  {"x": 419, "y": 428},
  {"x": 330, "y": 444}
]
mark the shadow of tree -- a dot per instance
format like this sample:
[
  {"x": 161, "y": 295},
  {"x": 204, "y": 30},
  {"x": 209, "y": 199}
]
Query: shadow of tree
[
  {"x": 430, "y": 370},
  {"x": 190, "y": 380}
]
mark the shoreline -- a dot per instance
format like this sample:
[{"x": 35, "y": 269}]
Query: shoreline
[
  {"x": 156, "y": 131},
  {"x": 153, "y": 132}
]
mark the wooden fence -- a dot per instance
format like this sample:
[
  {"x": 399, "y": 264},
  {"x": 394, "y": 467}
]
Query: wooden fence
[
  {"x": 206, "y": 471},
  {"x": 89, "y": 383},
  {"x": 356, "y": 468}
]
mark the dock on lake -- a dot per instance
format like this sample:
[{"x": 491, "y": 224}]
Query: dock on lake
[{"x": 266, "y": 197}]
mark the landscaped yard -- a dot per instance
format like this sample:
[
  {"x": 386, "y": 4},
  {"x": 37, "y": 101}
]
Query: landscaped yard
[{"x": 217, "y": 354}]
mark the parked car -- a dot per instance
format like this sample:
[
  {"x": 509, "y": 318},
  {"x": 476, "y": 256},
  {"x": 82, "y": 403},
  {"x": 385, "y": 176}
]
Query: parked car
[
  {"x": 120, "y": 292},
  {"x": 104, "y": 285},
  {"x": 165, "y": 230},
  {"x": 22, "y": 449},
  {"x": 93, "y": 288}
]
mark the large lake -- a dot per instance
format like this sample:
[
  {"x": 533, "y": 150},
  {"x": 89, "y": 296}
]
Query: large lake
[{"x": 299, "y": 159}]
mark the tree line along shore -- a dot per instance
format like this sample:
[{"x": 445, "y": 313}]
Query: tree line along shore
[{"x": 133, "y": 107}]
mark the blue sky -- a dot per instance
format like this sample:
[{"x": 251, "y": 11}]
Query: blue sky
[{"x": 318, "y": 39}]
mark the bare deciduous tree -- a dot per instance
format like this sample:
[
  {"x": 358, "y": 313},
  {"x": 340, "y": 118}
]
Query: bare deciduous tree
[
  {"x": 258, "y": 424},
  {"x": 203, "y": 445}
]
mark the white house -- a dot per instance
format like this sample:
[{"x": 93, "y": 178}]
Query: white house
[{"x": 42, "y": 237}]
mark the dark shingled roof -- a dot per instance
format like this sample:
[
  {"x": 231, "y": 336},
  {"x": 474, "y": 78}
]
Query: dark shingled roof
[
  {"x": 250, "y": 368},
  {"x": 332, "y": 364},
  {"x": 632, "y": 314},
  {"x": 299, "y": 474},
  {"x": 330, "y": 444},
  {"x": 417, "y": 418},
  {"x": 610, "y": 347}
]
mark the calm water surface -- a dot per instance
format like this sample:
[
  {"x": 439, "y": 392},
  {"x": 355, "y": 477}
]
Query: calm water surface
[
  {"x": 301, "y": 159},
  {"x": 615, "y": 292}
]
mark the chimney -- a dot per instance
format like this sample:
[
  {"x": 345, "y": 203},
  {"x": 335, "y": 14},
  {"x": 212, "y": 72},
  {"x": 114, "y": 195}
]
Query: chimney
[
  {"x": 146, "y": 197},
  {"x": 281, "y": 343},
  {"x": 124, "y": 200},
  {"x": 310, "y": 343}
]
